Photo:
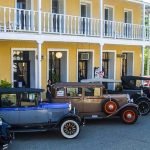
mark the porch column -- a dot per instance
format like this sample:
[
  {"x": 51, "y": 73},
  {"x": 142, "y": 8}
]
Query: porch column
[
  {"x": 39, "y": 17},
  {"x": 142, "y": 66},
  {"x": 101, "y": 56},
  {"x": 101, "y": 17},
  {"x": 143, "y": 21},
  {"x": 39, "y": 72}
]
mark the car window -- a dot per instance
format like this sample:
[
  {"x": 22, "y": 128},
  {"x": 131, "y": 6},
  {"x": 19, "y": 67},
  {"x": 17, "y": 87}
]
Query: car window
[
  {"x": 28, "y": 99},
  {"x": 60, "y": 92},
  {"x": 8, "y": 100},
  {"x": 92, "y": 92},
  {"x": 74, "y": 92}
]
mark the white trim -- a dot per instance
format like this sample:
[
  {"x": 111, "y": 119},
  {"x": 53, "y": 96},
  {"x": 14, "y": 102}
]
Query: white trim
[
  {"x": 23, "y": 49},
  {"x": 60, "y": 50},
  {"x": 85, "y": 50},
  {"x": 85, "y": 2},
  {"x": 109, "y": 6},
  {"x": 127, "y": 51}
]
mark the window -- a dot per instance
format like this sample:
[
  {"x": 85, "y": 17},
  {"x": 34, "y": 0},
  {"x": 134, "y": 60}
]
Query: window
[
  {"x": 8, "y": 100},
  {"x": 105, "y": 64},
  {"x": 60, "y": 92},
  {"x": 28, "y": 100},
  {"x": 92, "y": 92},
  {"x": 124, "y": 65},
  {"x": 74, "y": 92}
]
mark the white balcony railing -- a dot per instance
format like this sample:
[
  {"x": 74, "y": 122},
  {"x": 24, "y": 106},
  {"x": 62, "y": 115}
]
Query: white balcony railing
[{"x": 21, "y": 20}]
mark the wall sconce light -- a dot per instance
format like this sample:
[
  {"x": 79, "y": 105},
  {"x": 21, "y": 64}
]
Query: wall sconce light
[
  {"x": 42, "y": 57},
  {"x": 59, "y": 55}
]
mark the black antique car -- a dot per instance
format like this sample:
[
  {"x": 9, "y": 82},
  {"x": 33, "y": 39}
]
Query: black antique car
[
  {"x": 138, "y": 89},
  {"x": 23, "y": 109}
]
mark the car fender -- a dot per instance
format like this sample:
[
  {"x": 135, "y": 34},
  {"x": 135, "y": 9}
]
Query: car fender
[
  {"x": 69, "y": 116},
  {"x": 121, "y": 108},
  {"x": 143, "y": 97}
]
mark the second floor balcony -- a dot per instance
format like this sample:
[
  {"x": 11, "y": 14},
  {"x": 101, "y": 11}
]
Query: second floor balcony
[{"x": 26, "y": 21}]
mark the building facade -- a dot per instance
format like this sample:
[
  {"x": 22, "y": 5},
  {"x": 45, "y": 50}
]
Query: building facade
[{"x": 66, "y": 40}]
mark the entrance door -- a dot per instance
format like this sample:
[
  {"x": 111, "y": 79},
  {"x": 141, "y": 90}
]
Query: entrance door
[
  {"x": 128, "y": 24},
  {"x": 82, "y": 70},
  {"x": 108, "y": 21},
  {"x": 21, "y": 73},
  {"x": 127, "y": 64}
]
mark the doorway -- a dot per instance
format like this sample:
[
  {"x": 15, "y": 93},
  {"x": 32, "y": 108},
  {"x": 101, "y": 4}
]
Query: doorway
[
  {"x": 85, "y": 9},
  {"x": 24, "y": 69},
  {"x": 85, "y": 65},
  {"x": 127, "y": 64}
]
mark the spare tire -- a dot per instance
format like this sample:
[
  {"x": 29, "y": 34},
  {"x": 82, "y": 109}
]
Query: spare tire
[{"x": 110, "y": 106}]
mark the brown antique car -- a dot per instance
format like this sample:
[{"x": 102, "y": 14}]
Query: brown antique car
[{"x": 90, "y": 101}]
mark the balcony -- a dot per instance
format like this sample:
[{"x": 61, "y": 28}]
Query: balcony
[{"x": 26, "y": 21}]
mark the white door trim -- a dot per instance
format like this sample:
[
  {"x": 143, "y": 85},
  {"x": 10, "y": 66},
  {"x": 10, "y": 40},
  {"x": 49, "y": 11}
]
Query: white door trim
[
  {"x": 60, "y": 50},
  {"x": 85, "y": 50},
  {"x": 125, "y": 51},
  {"x": 23, "y": 49}
]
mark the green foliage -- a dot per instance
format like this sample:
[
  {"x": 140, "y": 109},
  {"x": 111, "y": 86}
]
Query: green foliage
[
  {"x": 5, "y": 84},
  {"x": 145, "y": 61}
]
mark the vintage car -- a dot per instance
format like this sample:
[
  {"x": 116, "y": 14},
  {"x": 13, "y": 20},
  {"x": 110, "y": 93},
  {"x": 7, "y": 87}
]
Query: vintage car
[
  {"x": 5, "y": 135},
  {"x": 134, "y": 85},
  {"x": 23, "y": 110},
  {"x": 90, "y": 102}
]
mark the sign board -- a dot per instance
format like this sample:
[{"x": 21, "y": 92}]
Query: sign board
[
  {"x": 60, "y": 93},
  {"x": 98, "y": 73}
]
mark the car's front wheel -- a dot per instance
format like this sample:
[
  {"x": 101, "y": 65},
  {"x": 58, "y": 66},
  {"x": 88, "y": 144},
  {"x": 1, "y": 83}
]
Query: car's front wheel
[
  {"x": 129, "y": 115},
  {"x": 69, "y": 128}
]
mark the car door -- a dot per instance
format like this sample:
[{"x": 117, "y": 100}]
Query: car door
[
  {"x": 30, "y": 112},
  {"x": 9, "y": 108},
  {"x": 92, "y": 100}
]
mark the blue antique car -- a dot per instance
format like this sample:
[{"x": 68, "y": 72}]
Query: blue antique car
[{"x": 23, "y": 109}]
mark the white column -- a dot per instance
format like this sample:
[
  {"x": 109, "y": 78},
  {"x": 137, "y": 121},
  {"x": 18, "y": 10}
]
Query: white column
[
  {"x": 39, "y": 17},
  {"x": 148, "y": 63},
  {"x": 39, "y": 70},
  {"x": 142, "y": 65},
  {"x": 101, "y": 17},
  {"x": 143, "y": 21},
  {"x": 101, "y": 56}
]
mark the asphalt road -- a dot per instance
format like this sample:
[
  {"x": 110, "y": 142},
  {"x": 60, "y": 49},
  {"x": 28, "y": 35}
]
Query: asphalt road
[{"x": 95, "y": 135}]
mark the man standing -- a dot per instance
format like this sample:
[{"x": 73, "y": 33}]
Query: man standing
[{"x": 48, "y": 92}]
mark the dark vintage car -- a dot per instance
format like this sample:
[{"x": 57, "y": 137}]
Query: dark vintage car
[
  {"x": 5, "y": 135},
  {"x": 23, "y": 110},
  {"x": 135, "y": 86},
  {"x": 90, "y": 102}
]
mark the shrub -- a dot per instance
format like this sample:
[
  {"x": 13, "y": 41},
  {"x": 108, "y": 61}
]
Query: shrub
[{"x": 5, "y": 84}]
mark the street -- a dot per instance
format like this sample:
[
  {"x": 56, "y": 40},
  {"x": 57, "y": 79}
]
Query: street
[{"x": 95, "y": 135}]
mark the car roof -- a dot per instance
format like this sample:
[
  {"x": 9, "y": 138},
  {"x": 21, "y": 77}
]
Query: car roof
[
  {"x": 127, "y": 78},
  {"x": 76, "y": 84},
  {"x": 19, "y": 90}
]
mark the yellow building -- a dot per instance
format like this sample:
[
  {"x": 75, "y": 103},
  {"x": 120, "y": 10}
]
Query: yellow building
[{"x": 66, "y": 40}]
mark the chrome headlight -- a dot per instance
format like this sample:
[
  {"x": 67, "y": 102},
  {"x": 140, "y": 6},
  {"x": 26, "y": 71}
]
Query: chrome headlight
[{"x": 70, "y": 106}]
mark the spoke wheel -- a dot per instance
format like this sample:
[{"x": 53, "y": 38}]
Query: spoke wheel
[
  {"x": 70, "y": 129},
  {"x": 144, "y": 107},
  {"x": 129, "y": 115}
]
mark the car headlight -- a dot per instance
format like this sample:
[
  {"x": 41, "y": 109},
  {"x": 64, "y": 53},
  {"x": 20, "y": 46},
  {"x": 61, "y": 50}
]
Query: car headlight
[{"x": 70, "y": 106}]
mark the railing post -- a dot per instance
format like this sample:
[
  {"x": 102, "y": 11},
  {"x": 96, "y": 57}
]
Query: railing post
[
  {"x": 4, "y": 19},
  {"x": 101, "y": 18},
  {"x": 143, "y": 21},
  {"x": 39, "y": 17}
]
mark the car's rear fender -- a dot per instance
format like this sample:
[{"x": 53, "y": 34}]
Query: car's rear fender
[
  {"x": 121, "y": 108},
  {"x": 69, "y": 116}
]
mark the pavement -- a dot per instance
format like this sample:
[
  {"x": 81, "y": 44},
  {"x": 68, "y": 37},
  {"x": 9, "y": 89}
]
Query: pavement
[{"x": 109, "y": 134}]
